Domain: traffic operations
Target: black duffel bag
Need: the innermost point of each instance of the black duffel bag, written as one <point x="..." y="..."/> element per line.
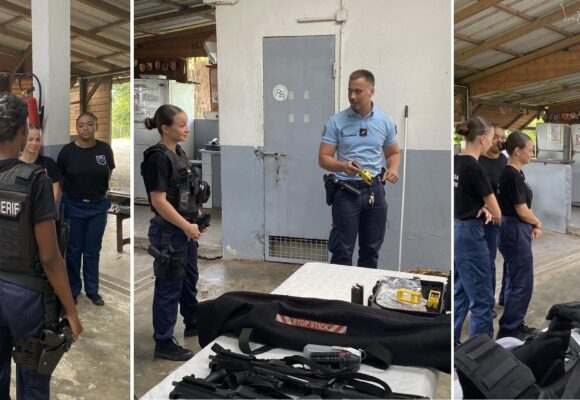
<point x="293" y="322"/>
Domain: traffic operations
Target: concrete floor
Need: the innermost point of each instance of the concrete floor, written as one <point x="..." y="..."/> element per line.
<point x="98" y="365"/>
<point x="217" y="276"/>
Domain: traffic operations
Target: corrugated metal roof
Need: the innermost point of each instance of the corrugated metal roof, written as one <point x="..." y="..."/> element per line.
<point x="503" y="18"/>
<point x="168" y="18"/>
<point x="487" y="59"/>
<point x="106" y="33"/>
<point x="533" y="40"/>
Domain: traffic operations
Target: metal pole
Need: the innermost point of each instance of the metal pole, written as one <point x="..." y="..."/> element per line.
<point x="404" y="182"/>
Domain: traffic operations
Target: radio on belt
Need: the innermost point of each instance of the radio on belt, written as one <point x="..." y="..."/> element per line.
<point x="345" y="358"/>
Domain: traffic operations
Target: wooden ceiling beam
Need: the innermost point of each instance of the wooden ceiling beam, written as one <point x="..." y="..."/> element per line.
<point x="548" y="69"/>
<point x="465" y="68"/>
<point x="15" y="34"/>
<point x="25" y="12"/>
<point x="515" y="33"/>
<point x="93" y="60"/>
<point x="108" y="8"/>
<point x="14" y="20"/>
<point x="546" y="50"/>
<point x="10" y="51"/>
<point x="473" y="9"/>
<point x="497" y="48"/>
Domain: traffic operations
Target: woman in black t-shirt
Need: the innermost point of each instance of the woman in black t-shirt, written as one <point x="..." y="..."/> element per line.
<point x="519" y="226"/>
<point x="173" y="232"/>
<point x="475" y="205"/>
<point x="31" y="155"/>
<point x="86" y="166"/>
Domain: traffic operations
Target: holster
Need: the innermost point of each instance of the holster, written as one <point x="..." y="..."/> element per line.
<point x="168" y="264"/>
<point x="44" y="353"/>
<point x="331" y="187"/>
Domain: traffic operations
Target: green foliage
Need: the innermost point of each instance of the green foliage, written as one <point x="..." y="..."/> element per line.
<point x="121" y="111"/>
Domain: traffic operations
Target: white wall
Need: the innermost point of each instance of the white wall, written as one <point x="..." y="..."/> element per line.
<point x="406" y="44"/>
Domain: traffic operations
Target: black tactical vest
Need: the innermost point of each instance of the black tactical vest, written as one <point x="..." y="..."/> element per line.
<point x="18" y="248"/>
<point x="185" y="184"/>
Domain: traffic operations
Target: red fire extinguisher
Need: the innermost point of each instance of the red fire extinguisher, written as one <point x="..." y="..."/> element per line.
<point x="33" y="118"/>
<point x="35" y="112"/>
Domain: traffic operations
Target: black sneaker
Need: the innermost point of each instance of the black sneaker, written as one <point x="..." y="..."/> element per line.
<point x="96" y="299"/>
<point x="171" y="350"/>
<point x="75" y="300"/>
<point x="190" y="330"/>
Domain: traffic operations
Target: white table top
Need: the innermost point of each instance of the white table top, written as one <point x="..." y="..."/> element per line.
<point x="325" y="281"/>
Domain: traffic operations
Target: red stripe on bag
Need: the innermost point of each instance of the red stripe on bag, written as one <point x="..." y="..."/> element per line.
<point x="313" y="325"/>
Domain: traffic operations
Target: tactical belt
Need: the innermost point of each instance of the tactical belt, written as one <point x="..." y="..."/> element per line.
<point x="359" y="184"/>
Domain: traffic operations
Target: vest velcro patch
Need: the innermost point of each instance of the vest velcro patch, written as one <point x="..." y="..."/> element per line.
<point x="313" y="325"/>
<point x="10" y="208"/>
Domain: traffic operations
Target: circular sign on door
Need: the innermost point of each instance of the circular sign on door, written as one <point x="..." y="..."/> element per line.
<point x="280" y="92"/>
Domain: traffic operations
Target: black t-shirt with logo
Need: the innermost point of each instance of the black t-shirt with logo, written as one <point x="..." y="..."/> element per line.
<point x="470" y="187"/>
<point x="86" y="171"/>
<point x="492" y="168"/>
<point x="42" y="198"/>
<point x="50" y="167"/>
<point x="513" y="190"/>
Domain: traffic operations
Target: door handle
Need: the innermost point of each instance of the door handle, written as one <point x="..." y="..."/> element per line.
<point x="259" y="153"/>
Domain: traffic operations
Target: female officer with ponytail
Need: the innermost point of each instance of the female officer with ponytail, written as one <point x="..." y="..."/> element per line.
<point x="475" y="205"/>
<point x="173" y="189"/>
<point x="519" y="226"/>
<point x="31" y="267"/>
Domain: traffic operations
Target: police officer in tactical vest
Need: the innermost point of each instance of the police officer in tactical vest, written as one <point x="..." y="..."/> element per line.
<point x="32" y="269"/>
<point x="176" y="194"/>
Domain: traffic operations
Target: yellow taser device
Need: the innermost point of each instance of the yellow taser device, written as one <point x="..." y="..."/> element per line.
<point x="365" y="174"/>
<point x="409" y="296"/>
<point x="434" y="298"/>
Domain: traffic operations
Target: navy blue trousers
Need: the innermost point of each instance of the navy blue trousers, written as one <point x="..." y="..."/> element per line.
<point x="354" y="216"/>
<point x="472" y="279"/>
<point x="21" y="315"/>
<point x="87" y="227"/>
<point x="516" y="248"/>
<point x="169" y="293"/>
<point x="491" y="232"/>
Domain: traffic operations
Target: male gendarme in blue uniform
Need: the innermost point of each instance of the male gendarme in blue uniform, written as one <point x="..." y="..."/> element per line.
<point x="361" y="133"/>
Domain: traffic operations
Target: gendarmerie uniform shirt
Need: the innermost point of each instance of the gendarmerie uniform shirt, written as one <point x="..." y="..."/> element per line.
<point x="513" y="190"/>
<point x="471" y="185"/>
<point x="86" y="170"/>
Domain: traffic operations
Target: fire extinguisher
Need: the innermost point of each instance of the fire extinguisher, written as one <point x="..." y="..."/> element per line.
<point x="33" y="118"/>
<point x="35" y="109"/>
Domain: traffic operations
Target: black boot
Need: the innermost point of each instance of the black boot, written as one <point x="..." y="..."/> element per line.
<point x="171" y="350"/>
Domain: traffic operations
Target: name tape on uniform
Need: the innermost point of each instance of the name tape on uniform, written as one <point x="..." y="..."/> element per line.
<point x="313" y="325"/>
<point x="10" y="208"/>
